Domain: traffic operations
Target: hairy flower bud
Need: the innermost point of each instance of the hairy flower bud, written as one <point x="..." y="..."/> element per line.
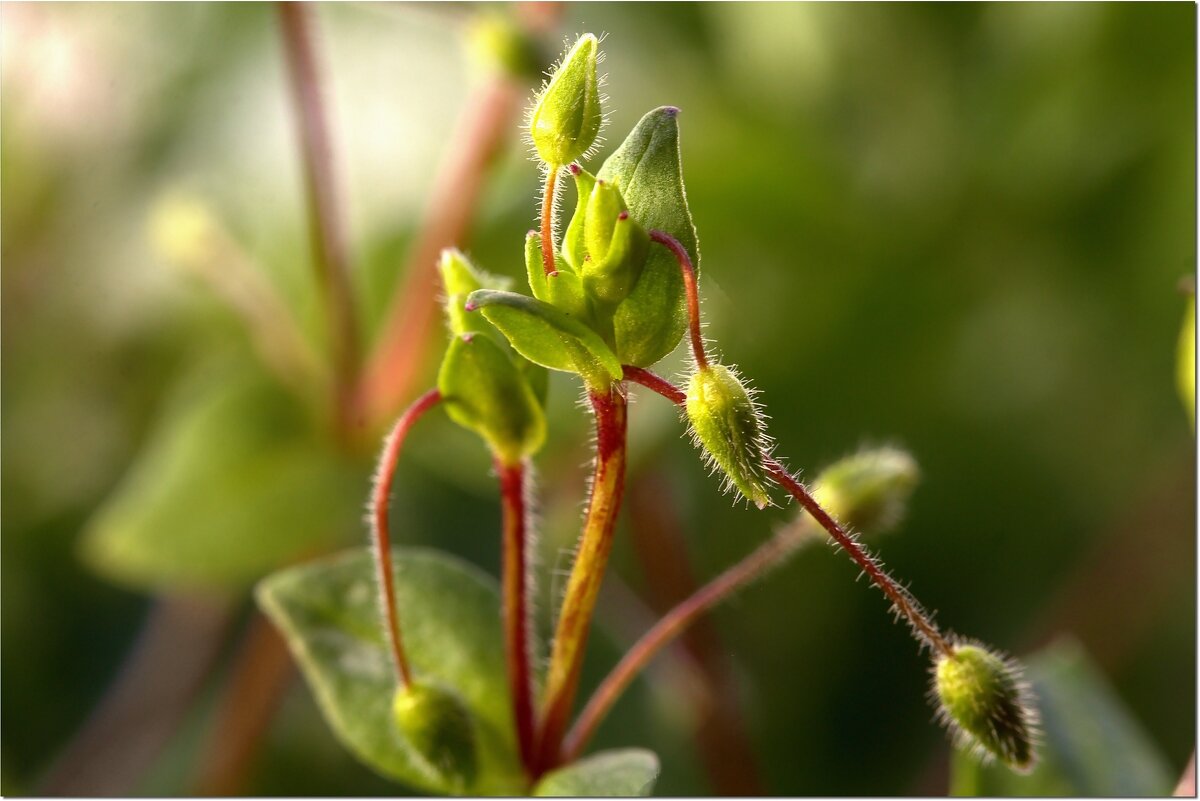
<point x="985" y="702"/>
<point x="439" y="727"/>
<point x="566" y="116"/>
<point x="728" y="425"/>
<point x="868" y="490"/>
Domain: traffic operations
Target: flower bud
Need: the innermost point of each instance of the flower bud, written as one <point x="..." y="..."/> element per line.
<point x="869" y="490"/>
<point x="566" y="116"/>
<point x="573" y="247"/>
<point x="728" y="425"/>
<point x="439" y="728"/>
<point x="460" y="278"/>
<point x="985" y="702"/>
<point x="616" y="247"/>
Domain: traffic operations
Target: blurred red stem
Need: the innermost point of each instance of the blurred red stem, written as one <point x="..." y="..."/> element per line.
<point x="516" y="604"/>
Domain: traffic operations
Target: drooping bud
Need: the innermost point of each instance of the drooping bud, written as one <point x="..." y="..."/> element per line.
<point x="460" y="278"/>
<point x="566" y="116"/>
<point x="868" y="491"/>
<point x="616" y="247"/>
<point x="984" y="701"/>
<point x="728" y="425"/>
<point x="439" y="728"/>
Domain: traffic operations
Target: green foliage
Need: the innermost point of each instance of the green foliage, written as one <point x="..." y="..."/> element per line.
<point x="483" y="390"/>
<point x="1091" y="744"/>
<point x="621" y="773"/>
<point x="235" y="481"/>
<point x="440" y="729"/>
<point x="329" y="614"/>
<point x="728" y="426"/>
<point x="547" y="336"/>
<point x="1185" y="369"/>
<point x="566" y="116"/>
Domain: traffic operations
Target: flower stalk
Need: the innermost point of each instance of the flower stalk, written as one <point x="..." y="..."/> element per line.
<point x="515" y="591"/>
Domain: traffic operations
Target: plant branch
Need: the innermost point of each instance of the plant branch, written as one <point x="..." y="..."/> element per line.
<point x="516" y="592"/>
<point x="330" y="255"/>
<point x="548" y="192"/>
<point x="693" y="296"/>
<point x="380" y="533"/>
<point x="574" y="621"/>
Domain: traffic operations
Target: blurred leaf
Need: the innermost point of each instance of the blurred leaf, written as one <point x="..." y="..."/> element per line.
<point x="1092" y="746"/>
<point x="235" y="482"/>
<point x="625" y="772"/>
<point x="449" y="613"/>
<point x="1185" y="368"/>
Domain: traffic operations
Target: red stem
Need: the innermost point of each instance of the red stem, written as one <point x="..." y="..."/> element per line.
<point x="516" y="604"/>
<point x="574" y="620"/>
<point x="905" y="604"/>
<point x="693" y="295"/>
<point x="548" y="219"/>
<point x="380" y="532"/>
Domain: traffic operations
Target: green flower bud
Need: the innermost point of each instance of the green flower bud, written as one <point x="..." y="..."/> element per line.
<point x="869" y="490"/>
<point x="986" y="704"/>
<point x="484" y="391"/>
<point x="727" y="424"/>
<point x="439" y="727"/>
<point x="616" y="247"/>
<point x="573" y="249"/>
<point x="460" y="278"/>
<point x="564" y="291"/>
<point x="497" y="41"/>
<point x="566" y="116"/>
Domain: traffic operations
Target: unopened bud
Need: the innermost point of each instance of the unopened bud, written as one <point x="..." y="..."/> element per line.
<point x="460" y="278"/>
<point x="439" y="728"/>
<point x="985" y="702"/>
<point x="869" y="490"/>
<point x="566" y="116"/>
<point x="616" y="246"/>
<point x="728" y="425"/>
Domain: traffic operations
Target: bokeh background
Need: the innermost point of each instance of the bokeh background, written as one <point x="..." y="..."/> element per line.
<point x="956" y="228"/>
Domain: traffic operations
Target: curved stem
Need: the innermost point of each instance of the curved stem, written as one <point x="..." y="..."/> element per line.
<point x="380" y="533"/>
<point x="575" y="617"/>
<point x="548" y="219"/>
<point x="516" y="604"/>
<point x="693" y="295"/>
<point x="922" y="625"/>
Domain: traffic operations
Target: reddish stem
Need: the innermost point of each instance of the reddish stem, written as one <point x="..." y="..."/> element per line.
<point x="922" y="625"/>
<point x="380" y="532"/>
<point x="574" y="620"/>
<point x="548" y="219"/>
<point x="516" y="604"/>
<point x="693" y="295"/>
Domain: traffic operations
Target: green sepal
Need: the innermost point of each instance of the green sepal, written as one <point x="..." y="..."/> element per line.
<point x="460" y="278"/>
<point x="566" y="116"/>
<point x="573" y="249"/>
<point x="484" y="391"/>
<point x="646" y="169"/>
<point x="728" y="426"/>
<point x="616" y="248"/>
<point x="439" y="727"/>
<point x="563" y="291"/>
<point x="548" y="336"/>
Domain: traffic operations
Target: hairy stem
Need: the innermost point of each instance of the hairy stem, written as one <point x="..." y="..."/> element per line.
<point x="516" y="604"/>
<point x="380" y="533"/>
<point x="548" y="219"/>
<point x="575" y="617"/>
<point x="693" y="296"/>
<point x="922" y="625"/>
<point x="330" y="256"/>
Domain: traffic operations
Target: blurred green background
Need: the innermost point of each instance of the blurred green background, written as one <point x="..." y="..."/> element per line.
<point x="958" y="228"/>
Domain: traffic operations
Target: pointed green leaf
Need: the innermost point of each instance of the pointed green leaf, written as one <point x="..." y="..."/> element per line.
<point x="485" y="392"/>
<point x="626" y="772"/>
<point x="329" y="614"/>
<point x="646" y="168"/>
<point x="548" y="336"/>
<point x="235" y="482"/>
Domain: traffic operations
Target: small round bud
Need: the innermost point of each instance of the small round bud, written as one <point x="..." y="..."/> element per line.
<point x="868" y="490"/>
<point x="439" y="728"/>
<point x="566" y="116"/>
<point x="728" y="425"/>
<point x="984" y="701"/>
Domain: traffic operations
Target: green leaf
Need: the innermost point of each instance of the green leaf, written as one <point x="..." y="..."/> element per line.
<point x="234" y="483"/>
<point x="1091" y="744"/>
<point x="619" y="773"/>
<point x="646" y="168"/>
<point x="449" y="615"/>
<point x="485" y="392"/>
<point x="548" y="336"/>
